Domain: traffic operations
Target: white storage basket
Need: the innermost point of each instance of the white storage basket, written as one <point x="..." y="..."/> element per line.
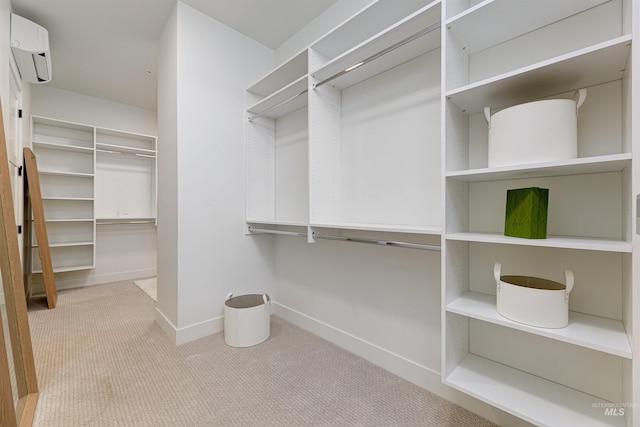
<point x="533" y="301"/>
<point x="247" y="319"/>
<point x="539" y="131"/>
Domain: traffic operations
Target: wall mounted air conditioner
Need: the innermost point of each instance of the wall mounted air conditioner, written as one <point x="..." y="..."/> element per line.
<point x="30" y="46"/>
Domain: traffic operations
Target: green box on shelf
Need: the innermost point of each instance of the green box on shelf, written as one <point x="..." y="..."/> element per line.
<point x="527" y="213"/>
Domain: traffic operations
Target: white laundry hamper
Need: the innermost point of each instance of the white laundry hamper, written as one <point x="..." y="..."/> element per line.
<point x="247" y="319"/>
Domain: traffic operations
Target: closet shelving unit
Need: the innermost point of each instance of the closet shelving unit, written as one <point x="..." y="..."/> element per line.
<point x="393" y="143"/>
<point x="277" y="147"/>
<point x="88" y="176"/>
<point x="497" y="53"/>
<point x="66" y="163"/>
<point x="375" y="122"/>
<point x="303" y="170"/>
<point x="125" y="160"/>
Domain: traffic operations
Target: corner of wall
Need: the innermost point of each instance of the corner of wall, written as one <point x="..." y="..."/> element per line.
<point x="329" y="19"/>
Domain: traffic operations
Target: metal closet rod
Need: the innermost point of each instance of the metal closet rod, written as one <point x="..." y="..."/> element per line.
<point x="351" y="68"/>
<point x="124" y="222"/>
<point x="378" y="242"/>
<point x="350" y="239"/>
<point x="267" y="230"/>
<point x="100" y="150"/>
<point x="278" y="105"/>
<point x="381" y="53"/>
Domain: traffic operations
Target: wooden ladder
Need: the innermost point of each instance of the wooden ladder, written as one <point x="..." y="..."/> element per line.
<point x="35" y="198"/>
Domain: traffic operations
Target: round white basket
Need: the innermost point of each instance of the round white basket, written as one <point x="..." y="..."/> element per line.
<point x="247" y="319"/>
<point x="535" y="132"/>
<point x="533" y="301"/>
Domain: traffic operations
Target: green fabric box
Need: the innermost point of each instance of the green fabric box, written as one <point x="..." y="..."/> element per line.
<point x="527" y="213"/>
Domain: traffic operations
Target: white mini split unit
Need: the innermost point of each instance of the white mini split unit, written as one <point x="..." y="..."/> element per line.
<point x="30" y="46"/>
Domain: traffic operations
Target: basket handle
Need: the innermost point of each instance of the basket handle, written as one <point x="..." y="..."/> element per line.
<point x="568" y="277"/>
<point x="497" y="267"/>
<point x="487" y="115"/>
<point x="267" y="302"/>
<point x="581" y="94"/>
<point x="229" y="295"/>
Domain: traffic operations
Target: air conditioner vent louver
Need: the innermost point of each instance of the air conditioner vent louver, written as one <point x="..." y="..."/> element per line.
<point x="30" y="47"/>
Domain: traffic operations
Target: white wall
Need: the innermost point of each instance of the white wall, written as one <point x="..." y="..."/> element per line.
<point x="329" y="19"/>
<point x="167" y="307"/>
<point x="122" y="251"/>
<point x="62" y="104"/>
<point x="214" y="257"/>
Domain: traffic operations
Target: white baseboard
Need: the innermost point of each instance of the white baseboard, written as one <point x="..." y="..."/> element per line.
<point x="166" y="325"/>
<point x="414" y="372"/>
<point x="101" y="279"/>
<point x="411" y="371"/>
<point x="189" y="333"/>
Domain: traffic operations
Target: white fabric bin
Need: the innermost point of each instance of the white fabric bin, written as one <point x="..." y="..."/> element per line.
<point x="533" y="301"/>
<point x="535" y="132"/>
<point x="247" y="319"/>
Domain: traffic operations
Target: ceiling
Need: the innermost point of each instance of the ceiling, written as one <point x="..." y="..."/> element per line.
<point x="90" y="40"/>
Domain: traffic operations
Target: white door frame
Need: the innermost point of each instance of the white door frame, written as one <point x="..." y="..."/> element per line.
<point x="14" y="148"/>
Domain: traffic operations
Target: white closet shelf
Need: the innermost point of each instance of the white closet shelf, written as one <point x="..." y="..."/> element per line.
<point x="88" y="199"/>
<point x="369" y="21"/>
<point x="420" y="20"/>
<point x="39" y="120"/>
<point x="594" y="332"/>
<point x="59" y="145"/>
<point x="470" y="29"/>
<point x="565" y="242"/>
<point x="126" y="221"/>
<point x="284" y="101"/>
<point x="70" y="220"/>
<point x="277" y="222"/>
<point x="409" y="229"/>
<point x="69" y="268"/>
<point x="601" y="63"/>
<point x="585" y="165"/>
<point x="62" y="173"/>
<point x="291" y="70"/>
<point x="124" y="149"/>
<point x="66" y="244"/>
<point x="534" y="399"/>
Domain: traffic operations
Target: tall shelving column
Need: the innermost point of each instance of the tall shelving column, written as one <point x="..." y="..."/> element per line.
<point x="66" y="162"/>
<point x="276" y="148"/>
<point x="374" y="126"/>
<point x="125" y="160"/>
<point x="573" y="375"/>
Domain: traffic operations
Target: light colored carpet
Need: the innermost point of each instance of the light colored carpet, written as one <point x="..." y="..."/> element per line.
<point x="148" y="286"/>
<point x="102" y="361"/>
